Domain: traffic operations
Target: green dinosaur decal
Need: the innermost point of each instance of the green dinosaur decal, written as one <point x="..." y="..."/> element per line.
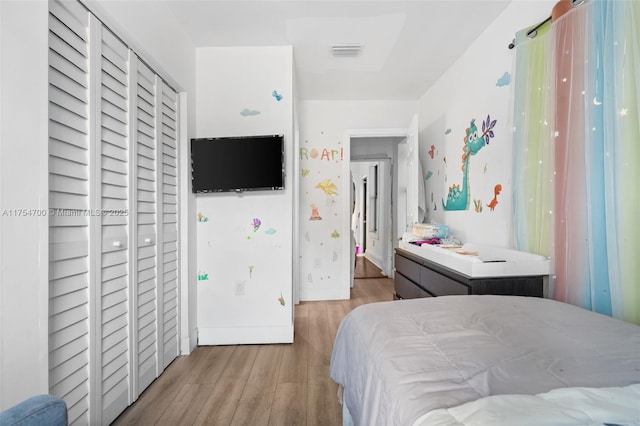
<point x="459" y="197"/>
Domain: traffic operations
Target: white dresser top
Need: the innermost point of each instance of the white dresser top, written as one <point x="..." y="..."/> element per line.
<point x="477" y="261"/>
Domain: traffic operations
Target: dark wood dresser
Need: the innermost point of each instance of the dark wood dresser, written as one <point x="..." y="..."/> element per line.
<point x="419" y="277"/>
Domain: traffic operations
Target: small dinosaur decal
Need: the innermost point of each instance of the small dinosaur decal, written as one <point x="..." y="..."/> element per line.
<point x="496" y="191"/>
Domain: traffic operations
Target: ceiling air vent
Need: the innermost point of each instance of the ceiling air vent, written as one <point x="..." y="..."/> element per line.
<point x="346" y="49"/>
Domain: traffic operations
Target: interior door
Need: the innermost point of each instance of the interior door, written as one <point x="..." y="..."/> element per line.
<point x="112" y="262"/>
<point x="69" y="228"/>
<point x="146" y="224"/>
<point x="168" y="238"/>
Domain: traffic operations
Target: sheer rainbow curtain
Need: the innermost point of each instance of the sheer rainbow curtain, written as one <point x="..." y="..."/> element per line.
<point x="577" y="153"/>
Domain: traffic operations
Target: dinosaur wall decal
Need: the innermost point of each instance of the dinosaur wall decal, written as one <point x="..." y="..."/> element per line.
<point x="496" y="191"/>
<point x="459" y="197"/>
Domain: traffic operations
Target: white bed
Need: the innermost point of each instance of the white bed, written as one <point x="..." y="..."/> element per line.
<point x="399" y="362"/>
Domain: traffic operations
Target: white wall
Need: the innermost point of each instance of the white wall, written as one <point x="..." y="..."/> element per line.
<point x="23" y="185"/>
<point x="230" y="252"/>
<point x="321" y="153"/>
<point x="469" y="90"/>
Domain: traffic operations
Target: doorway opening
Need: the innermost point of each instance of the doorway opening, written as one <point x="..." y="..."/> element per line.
<point x="395" y="152"/>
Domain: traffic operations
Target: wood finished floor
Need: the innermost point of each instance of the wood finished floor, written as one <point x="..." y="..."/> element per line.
<point x="280" y="384"/>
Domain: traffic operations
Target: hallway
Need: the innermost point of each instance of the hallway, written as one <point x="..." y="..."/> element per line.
<point x="365" y="269"/>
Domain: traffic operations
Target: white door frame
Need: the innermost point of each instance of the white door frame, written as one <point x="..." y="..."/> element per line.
<point x="348" y="134"/>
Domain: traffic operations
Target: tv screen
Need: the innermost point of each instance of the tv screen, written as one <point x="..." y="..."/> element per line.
<point x="246" y="163"/>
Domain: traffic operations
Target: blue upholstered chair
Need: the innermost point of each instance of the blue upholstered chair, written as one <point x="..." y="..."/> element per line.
<point x="40" y="410"/>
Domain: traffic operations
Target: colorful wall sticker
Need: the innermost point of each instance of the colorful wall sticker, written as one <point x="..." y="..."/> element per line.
<point x="335" y="234"/>
<point x="304" y="172"/>
<point x="270" y="231"/>
<point x="446" y="132"/>
<point x="504" y="80"/>
<point x="256" y="224"/>
<point x="315" y="215"/>
<point x="459" y="197"/>
<point x="202" y="218"/>
<point x="202" y="276"/>
<point x="325" y="155"/>
<point x="281" y="299"/>
<point x="477" y="205"/>
<point x="432" y="151"/>
<point x="251" y="267"/>
<point x="429" y="174"/>
<point x="276" y="95"/>
<point x="487" y="129"/>
<point x="328" y="187"/>
<point x="249" y="112"/>
<point x="496" y="191"/>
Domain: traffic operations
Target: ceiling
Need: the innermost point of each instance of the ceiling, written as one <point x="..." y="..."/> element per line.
<point x="406" y="45"/>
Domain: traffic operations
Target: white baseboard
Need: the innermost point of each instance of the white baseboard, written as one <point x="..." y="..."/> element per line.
<point x="308" y="295"/>
<point x="244" y="335"/>
<point x="189" y="343"/>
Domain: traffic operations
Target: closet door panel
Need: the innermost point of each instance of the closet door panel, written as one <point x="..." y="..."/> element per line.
<point x="69" y="162"/>
<point x="146" y="227"/>
<point x="114" y="203"/>
<point x="169" y="236"/>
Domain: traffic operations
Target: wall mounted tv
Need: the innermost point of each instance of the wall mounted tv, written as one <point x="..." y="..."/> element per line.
<point x="236" y="164"/>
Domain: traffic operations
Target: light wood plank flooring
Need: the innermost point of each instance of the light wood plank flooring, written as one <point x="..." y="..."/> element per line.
<point x="282" y="384"/>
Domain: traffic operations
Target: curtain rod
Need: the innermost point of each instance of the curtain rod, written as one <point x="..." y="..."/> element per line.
<point x="534" y="31"/>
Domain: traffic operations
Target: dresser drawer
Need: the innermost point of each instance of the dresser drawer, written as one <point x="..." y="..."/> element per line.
<point x="408" y="268"/>
<point x="440" y="285"/>
<point x="404" y="288"/>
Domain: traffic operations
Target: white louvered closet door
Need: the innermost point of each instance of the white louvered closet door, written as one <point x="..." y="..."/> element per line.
<point x="113" y="311"/>
<point x="69" y="226"/>
<point x="111" y="216"/>
<point x="168" y="238"/>
<point x="145" y="259"/>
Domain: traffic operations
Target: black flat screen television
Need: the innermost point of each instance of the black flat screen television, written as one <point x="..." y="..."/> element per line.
<point x="237" y="164"/>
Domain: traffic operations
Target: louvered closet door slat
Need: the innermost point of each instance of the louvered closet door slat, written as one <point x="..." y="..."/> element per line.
<point x="146" y="81"/>
<point x="75" y="18"/>
<point x="169" y="280"/>
<point x="146" y="108"/>
<point x="115" y="96"/>
<point x="60" y="114"/>
<point x="67" y="49"/>
<point x="146" y="227"/>
<point x="114" y="234"/>
<point x="68" y="190"/>
<point x="146" y="152"/>
<point x="61" y="97"/>
<point x="60" y="147"/>
<point x="114" y="106"/>
<point x="67" y="84"/>
<point x="113" y="147"/>
<point x="59" y="64"/>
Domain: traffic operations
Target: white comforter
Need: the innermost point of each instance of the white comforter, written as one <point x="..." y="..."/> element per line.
<point x="399" y="360"/>
<point x="559" y="407"/>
